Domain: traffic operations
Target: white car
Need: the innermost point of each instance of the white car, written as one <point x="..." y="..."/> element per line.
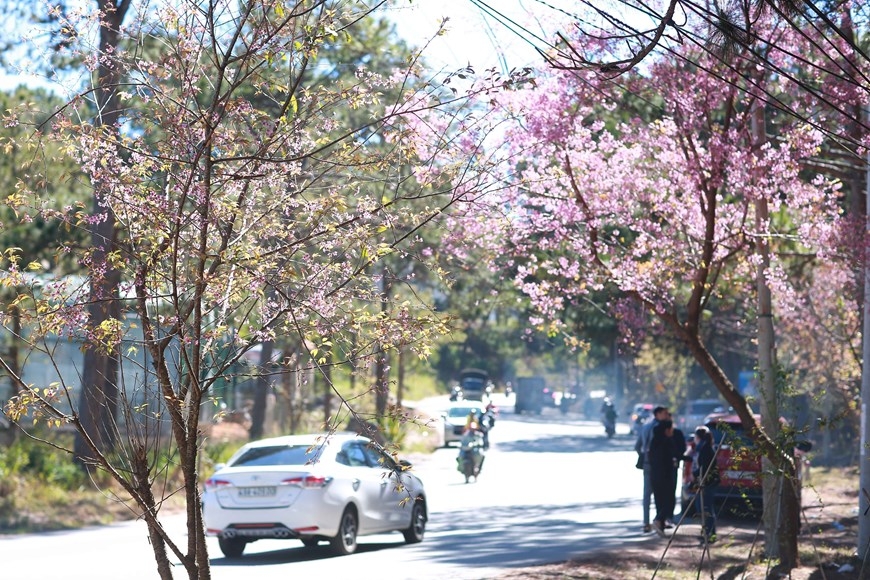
<point x="456" y="417"/>
<point x="312" y="488"/>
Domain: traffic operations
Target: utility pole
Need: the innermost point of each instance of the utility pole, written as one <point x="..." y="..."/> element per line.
<point x="864" y="481"/>
<point x="766" y="350"/>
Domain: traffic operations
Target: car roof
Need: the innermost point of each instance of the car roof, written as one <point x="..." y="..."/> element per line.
<point x="704" y="401"/>
<point x="729" y="418"/>
<point x="466" y="404"/>
<point x="307" y="439"/>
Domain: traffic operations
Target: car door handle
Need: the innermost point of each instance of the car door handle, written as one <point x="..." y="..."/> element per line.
<point x="355" y="483"/>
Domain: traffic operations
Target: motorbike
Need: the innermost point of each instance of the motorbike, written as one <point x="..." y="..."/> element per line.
<point x="471" y="455"/>
<point x="609" y="426"/>
<point x="608" y="417"/>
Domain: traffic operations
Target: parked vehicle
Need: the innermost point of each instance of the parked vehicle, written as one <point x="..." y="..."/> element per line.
<point x="738" y="462"/>
<point x="472" y="451"/>
<point x="312" y="488"/>
<point x="549" y="397"/>
<point x="568" y="400"/>
<point x="640" y="414"/>
<point x="696" y="411"/>
<point x="474" y="384"/>
<point x="529" y="395"/>
<point x="455" y="419"/>
<point x="593" y="402"/>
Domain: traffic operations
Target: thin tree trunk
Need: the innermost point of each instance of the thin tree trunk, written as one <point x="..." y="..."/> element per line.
<point x="98" y="399"/>
<point x="400" y="378"/>
<point x="142" y="481"/>
<point x="780" y="507"/>
<point x="326" y="371"/>
<point x="382" y="383"/>
<point x="261" y="392"/>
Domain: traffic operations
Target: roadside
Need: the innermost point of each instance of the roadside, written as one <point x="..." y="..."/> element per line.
<point x="826" y="544"/>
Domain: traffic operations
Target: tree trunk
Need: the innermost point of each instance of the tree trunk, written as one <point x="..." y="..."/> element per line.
<point x="261" y="392"/>
<point x="859" y="182"/>
<point x="142" y="482"/>
<point x="780" y="538"/>
<point x="382" y="380"/>
<point x="98" y="399"/>
<point x="326" y="372"/>
<point x="382" y="383"/>
<point x="400" y="378"/>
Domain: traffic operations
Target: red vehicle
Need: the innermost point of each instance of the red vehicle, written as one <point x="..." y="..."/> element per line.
<point x="738" y="462"/>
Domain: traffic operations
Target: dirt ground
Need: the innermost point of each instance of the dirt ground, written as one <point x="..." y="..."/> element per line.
<point x="827" y="545"/>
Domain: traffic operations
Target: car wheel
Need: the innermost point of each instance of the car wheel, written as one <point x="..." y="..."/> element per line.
<point x="344" y="542"/>
<point x="232" y="547"/>
<point x="414" y="534"/>
<point x="310" y="542"/>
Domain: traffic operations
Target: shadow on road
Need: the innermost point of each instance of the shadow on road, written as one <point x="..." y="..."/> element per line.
<point x="504" y="537"/>
<point x="299" y="553"/>
<point x="569" y="444"/>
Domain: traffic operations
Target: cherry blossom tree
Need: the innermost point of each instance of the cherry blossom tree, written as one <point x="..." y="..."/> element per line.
<point x="662" y="210"/>
<point x="250" y="205"/>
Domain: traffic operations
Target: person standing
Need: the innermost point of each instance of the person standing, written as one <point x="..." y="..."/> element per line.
<point x="705" y="474"/>
<point x="644" y="437"/>
<point x="679" y="445"/>
<point x="661" y="460"/>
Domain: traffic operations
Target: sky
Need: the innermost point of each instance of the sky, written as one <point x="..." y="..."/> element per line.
<point x="473" y="37"/>
<point x="479" y="37"/>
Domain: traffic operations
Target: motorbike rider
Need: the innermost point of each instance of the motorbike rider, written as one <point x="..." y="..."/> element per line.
<point x="471" y="449"/>
<point x="608" y="415"/>
<point x="486" y="421"/>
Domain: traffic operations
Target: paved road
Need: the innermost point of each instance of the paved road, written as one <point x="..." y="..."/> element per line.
<point x="552" y="487"/>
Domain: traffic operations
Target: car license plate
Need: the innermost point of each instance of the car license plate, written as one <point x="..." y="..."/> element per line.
<point x="262" y="491"/>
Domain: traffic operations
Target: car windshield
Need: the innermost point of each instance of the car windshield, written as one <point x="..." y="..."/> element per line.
<point x="460" y="411"/>
<point x="733" y="432"/>
<point x="473" y="383"/>
<point x="278" y="455"/>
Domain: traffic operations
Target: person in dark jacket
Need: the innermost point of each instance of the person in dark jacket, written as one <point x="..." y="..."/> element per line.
<point x="661" y="459"/>
<point x="706" y="476"/>
<point x="644" y="437"/>
<point x="679" y="444"/>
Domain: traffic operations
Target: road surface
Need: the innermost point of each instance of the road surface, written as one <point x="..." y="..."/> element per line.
<point x="552" y="487"/>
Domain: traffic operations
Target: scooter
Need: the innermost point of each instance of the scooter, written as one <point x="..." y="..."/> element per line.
<point x="471" y="455"/>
